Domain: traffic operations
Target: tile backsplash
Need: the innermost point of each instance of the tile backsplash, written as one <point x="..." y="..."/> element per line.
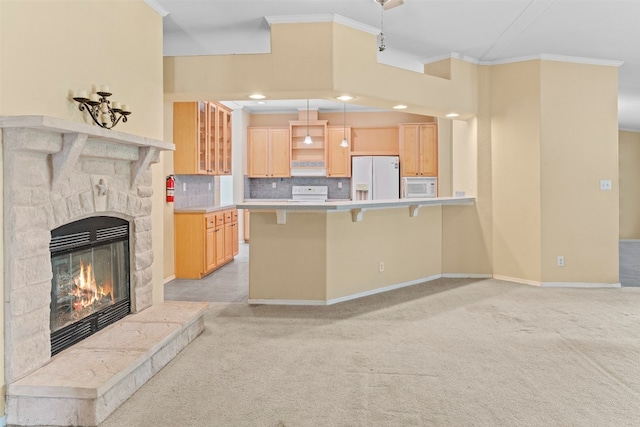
<point x="194" y="191"/>
<point x="262" y="188"/>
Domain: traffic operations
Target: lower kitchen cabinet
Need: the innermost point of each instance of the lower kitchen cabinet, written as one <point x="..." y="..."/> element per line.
<point x="204" y="242"/>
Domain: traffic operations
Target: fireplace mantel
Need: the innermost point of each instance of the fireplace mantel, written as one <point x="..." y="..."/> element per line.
<point x="76" y="136"/>
<point x="55" y="124"/>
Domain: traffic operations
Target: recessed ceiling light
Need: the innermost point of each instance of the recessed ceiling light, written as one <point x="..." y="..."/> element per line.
<point x="257" y="96"/>
<point x="452" y="115"/>
<point x="399" y="107"/>
<point x="344" y="97"/>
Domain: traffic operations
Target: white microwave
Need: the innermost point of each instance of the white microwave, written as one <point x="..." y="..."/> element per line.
<point x="419" y="187"/>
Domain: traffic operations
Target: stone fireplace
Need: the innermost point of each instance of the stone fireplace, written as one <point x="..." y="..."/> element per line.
<point x="58" y="174"/>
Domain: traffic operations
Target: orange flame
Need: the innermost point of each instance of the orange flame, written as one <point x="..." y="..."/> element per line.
<point x="86" y="290"/>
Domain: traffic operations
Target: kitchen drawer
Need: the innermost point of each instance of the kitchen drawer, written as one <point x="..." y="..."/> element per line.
<point x="220" y="218"/>
<point x="235" y="215"/>
<point x="210" y="221"/>
<point x="228" y="217"/>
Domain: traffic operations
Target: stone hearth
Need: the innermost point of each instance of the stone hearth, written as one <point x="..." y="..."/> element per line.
<point x="56" y="172"/>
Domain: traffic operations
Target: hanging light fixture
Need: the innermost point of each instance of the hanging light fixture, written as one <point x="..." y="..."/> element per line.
<point x="307" y="139"/>
<point x="344" y="142"/>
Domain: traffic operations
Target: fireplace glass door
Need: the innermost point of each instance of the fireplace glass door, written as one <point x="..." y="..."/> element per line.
<point x="90" y="283"/>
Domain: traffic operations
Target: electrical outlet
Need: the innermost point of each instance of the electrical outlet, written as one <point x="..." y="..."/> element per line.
<point x="560" y="261"/>
<point x="381" y="266"/>
<point x="273" y="185"/>
<point x="184" y="186"/>
<point x="605" y="184"/>
<point x="340" y="184"/>
<point x="209" y="186"/>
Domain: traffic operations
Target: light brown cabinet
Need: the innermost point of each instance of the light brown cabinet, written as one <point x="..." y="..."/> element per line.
<point x="338" y="157"/>
<point x="419" y="149"/>
<point x="268" y="152"/>
<point x="202" y="135"/>
<point x="203" y="242"/>
<point x="312" y="155"/>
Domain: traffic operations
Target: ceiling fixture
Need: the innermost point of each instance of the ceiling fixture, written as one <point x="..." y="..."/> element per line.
<point x="344" y="142"/>
<point x="307" y="139"/>
<point x="344" y="98"/>
<point x="257" y="96"/>
<point x="399" y="107"/>
<point x="385" y="5"/>
<point x="451" y="115"/>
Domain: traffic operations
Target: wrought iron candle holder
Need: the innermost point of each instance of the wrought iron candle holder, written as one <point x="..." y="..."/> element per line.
<point x="105" y="113"/>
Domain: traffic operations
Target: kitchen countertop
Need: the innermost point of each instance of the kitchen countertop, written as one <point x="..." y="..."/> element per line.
<point x="357" y="207"/>
<point x="203" y="209"/>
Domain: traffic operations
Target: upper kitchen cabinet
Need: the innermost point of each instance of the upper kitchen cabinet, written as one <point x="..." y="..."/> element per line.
<point x="311" y="155"/>
<point x="338" y="157"/>
<point x="419" y="149"/>
<point x="269" y="152"/>
<point x="202" y="135"/>
<point x="223" y="140"/>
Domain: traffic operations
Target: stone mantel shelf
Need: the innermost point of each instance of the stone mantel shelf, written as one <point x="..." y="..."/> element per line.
<point x="357" y="208"/>
<point x="63" y="126"/>
<point x="75" y="137"/>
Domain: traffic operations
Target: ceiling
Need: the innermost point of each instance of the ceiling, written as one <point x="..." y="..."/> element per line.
<point x="421" y="30"/>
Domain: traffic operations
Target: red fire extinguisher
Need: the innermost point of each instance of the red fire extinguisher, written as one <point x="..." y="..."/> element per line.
<point x="171" y="188"/>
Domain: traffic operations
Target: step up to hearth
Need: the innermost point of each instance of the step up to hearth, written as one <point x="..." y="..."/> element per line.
<point x="82" y="385"/>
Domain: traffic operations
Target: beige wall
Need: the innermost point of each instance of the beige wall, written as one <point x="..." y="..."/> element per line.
<point x="515" y="131"/>
<point x="328" y="256"/>
<point x="629" y="174"/>
<point x="579" y="221"/>
<point x="465" y="156"/>
<point x="167" y="163"/>
<point x="342" y="59"/>
<point x="46" y="55"/>
<point x="467" y="231"/>
<point x="355" y="249"/>
<point x="298" y="247"/>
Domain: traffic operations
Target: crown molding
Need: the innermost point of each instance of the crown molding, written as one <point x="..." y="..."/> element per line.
<point x="541" y="57"/>
<point x="327" y="17"/>
<point x="153" y="4"/>
<point x="557" y="58"/>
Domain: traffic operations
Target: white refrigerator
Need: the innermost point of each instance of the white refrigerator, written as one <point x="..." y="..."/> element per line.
<point x="375" y="177"/>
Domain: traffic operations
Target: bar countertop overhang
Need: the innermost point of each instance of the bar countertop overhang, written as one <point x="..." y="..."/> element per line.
<point x="357" y="207"/>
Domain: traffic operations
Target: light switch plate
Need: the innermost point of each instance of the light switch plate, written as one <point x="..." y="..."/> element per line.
<point x="605" y="184"/>
<point x="273" y="185"/>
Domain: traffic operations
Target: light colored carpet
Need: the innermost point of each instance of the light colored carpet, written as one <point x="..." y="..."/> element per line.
<point x="452" y="352"/>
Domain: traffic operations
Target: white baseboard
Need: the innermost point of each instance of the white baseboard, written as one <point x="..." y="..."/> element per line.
<point x="466" y="276"/>
<point x="557" y="284"/>
<point x="286" y="301"/>
<point x="579" y="285"/>
<point x="428" y="279"/>
<point x="166" y="280"/>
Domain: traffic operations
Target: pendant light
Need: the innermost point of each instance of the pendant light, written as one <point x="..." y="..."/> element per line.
<point x="344" y="142"/>
<point x="307" y="139"/>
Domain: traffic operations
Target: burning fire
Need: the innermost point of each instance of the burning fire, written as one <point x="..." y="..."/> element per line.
<point x="86" y="291"/>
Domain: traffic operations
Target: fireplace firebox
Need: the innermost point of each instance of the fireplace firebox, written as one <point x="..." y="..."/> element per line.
<point x="90" y="283"/>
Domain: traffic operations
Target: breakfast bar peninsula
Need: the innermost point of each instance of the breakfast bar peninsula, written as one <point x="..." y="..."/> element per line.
<point x="320" y="253"/>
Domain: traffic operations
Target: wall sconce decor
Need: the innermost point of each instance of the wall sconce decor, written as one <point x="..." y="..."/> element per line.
<point x="105" y="113"/>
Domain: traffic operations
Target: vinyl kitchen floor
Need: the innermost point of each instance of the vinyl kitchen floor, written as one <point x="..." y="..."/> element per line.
<point x="227" y="284"/>
<point x="231" y="282"/>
